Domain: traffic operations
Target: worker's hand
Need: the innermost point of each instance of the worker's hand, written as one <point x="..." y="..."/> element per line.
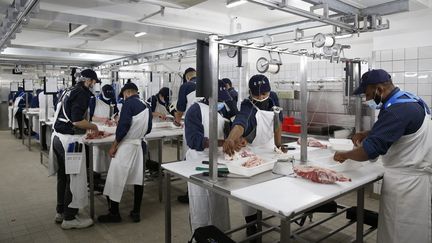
<point x="340" y="157"/>
<point x="113" y="150"/>
<point x="94" y="128"/>
<point x="240" y="143"/>
<point x="358" y="138"/>
<point x="177" y="123"/>
<point x="162" y="116"/>
<point x="229" y="146"/>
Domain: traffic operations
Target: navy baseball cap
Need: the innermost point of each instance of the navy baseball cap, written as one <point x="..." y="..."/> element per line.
<point x="223" y="94"/>
<point x="127" y="86"/>
<point x="259" y="84"/>
<point x="88" y="73"/>
<point x="108" y="91"/>
<point x="227" y="81"/>
<point x="374" y="76"/>
<point x="166" y="93"/>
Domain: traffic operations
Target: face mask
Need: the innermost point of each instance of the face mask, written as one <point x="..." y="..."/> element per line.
<point x="220" y="106"/>
<point x="262" y="104"/>
<point x="375" y="103"/>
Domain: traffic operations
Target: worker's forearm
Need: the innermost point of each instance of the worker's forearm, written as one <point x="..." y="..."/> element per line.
<point x="357" y="154"/>
<point x="84" y="124"/>
<point x="278" y="137"/>
<point x="236" y="132"/>
<point x="178" y="116"/>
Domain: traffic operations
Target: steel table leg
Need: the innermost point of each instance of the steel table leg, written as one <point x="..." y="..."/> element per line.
<point x="178" y="148"/>
<point x="285" y="231"/>
<point x="30" y="131"/>
<point x="167" y="207"/>
<point x="160" y="169"/>
<point x="259" y="224"/>
<point x="360" y="214"/>
<point x="91" y="181"/>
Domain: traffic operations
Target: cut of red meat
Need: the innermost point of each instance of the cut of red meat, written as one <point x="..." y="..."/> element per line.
<point x="98" y="135"/>
<point x="312" y="142"/>
<point x="318" y="174"/>
<point x="253" y="161"/>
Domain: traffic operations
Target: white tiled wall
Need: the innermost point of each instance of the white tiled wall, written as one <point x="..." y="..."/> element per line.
<point x="411" y="69"/>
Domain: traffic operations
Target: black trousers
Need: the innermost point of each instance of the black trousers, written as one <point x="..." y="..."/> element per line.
<point x="64" y="195"/>
<point x="19" y="116"/>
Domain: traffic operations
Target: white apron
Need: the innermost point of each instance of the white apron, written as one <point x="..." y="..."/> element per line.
<point x="153" y="145"/>
<point x="78" y="182"/>
<point x="405" y="205"/>
<point x="264" y="138"/>
<point x="206" y="207"/>
<point x="101" y="156"/>
<point x="102" y="111"/>
<point x="42" y="99"/>
<point x="127" y="167"/>
<point x="191" y="99"/>
<point x="15" y="110"/>
<point x="10" y="116"/>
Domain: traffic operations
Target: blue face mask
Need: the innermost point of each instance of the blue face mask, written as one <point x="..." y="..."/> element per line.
<point x="220" y="106"/>
<point x="375" y="103"/>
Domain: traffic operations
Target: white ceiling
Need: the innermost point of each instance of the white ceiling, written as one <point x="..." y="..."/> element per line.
<point x="178" y="26"/>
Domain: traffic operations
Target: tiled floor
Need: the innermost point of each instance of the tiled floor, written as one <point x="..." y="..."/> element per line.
<point x="28" y="198"/>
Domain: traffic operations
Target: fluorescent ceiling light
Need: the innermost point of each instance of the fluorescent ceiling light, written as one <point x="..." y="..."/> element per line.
<point x="344" y="36"/>
<point x="139" y="34"/>
<point x="410" y="74"/>
<point x="234" y="3"/>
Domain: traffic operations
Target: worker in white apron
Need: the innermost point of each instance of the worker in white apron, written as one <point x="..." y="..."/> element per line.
<point x="403" y="136"/>
<point x="186" y="98"/>
<point x="205" y="207"/>
<point x="67" y="153"/>
<point x="102" y="108"/>
<point x="159" y="104"/>
<point x="127" y="152"/>
<point x="255" y="124"/>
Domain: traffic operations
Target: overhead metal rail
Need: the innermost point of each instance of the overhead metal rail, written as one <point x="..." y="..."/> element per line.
<point x="348" y="19"/>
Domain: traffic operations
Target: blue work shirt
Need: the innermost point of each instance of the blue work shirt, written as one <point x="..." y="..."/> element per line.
<point x="184" y="90"/>
<point x="35" y="100"/>
<point x="132" y="106"/>
<point x="246" y="116"/>
<point x="92" y="104"/>
<point x="194" y="129"/>
<point x="393" y="123"/>
<point x="22" y="103"/>
<point x="233" y="93"/>
<point x="76" y="106"/>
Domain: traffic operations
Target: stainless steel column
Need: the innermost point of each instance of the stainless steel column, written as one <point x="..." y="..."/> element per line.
<point x="356" y="69"/>
<point x="303" y="105"/>
<point x="214" y="73"/>
<point x="167" y="207"/>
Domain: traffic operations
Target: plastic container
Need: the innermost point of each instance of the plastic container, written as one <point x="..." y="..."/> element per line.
<point x="340" y="144"/>
<point x="294" y="128"/>
<point x="288" y="120"/>
<point x="285" y="128"/>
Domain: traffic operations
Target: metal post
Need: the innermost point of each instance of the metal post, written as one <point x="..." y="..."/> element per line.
<point x="30" y="118"/>
<point x="360" y="214"/>
<point x="303" y="105"/>
<point x="214" y="73"/>
<point x="160" y="169"/>
<point x="167" y="207"/>
<point x="91" y="180"/>
<point x="240" y="86"/>
<point x="356" y="69"/>
<point x="285" y="235"/>
<point x="259" y="224"/>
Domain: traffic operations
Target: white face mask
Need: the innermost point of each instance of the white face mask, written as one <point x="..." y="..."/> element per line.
<point x="258" y="100"/>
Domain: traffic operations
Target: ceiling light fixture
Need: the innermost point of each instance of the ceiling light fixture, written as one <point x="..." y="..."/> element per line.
<point x="234" y="3"/>
<point x="139" y="34"/>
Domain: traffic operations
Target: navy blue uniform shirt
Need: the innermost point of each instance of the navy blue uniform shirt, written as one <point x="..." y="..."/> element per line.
<point x="22" y="103"/>
<point x="194" y="129"/>
<point x="184" y="90"/>
<point x="233" y="93"/>
<point x="132" y="106"/>
<point x="246" y="116"/>
<point x="393" y="123"/>
<point x="76" y="106"/>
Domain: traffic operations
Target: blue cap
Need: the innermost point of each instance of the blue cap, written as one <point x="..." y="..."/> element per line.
<point x="259" y="84"/>
<point x="108" y="91"/>
<point x="374" y="76"/>
<point x="223" y="94"/>
<point x="128" y="86"/>
<point x="227" y="81"/>
<point x="166" y="93"/>
<point x="88" y="73"/>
